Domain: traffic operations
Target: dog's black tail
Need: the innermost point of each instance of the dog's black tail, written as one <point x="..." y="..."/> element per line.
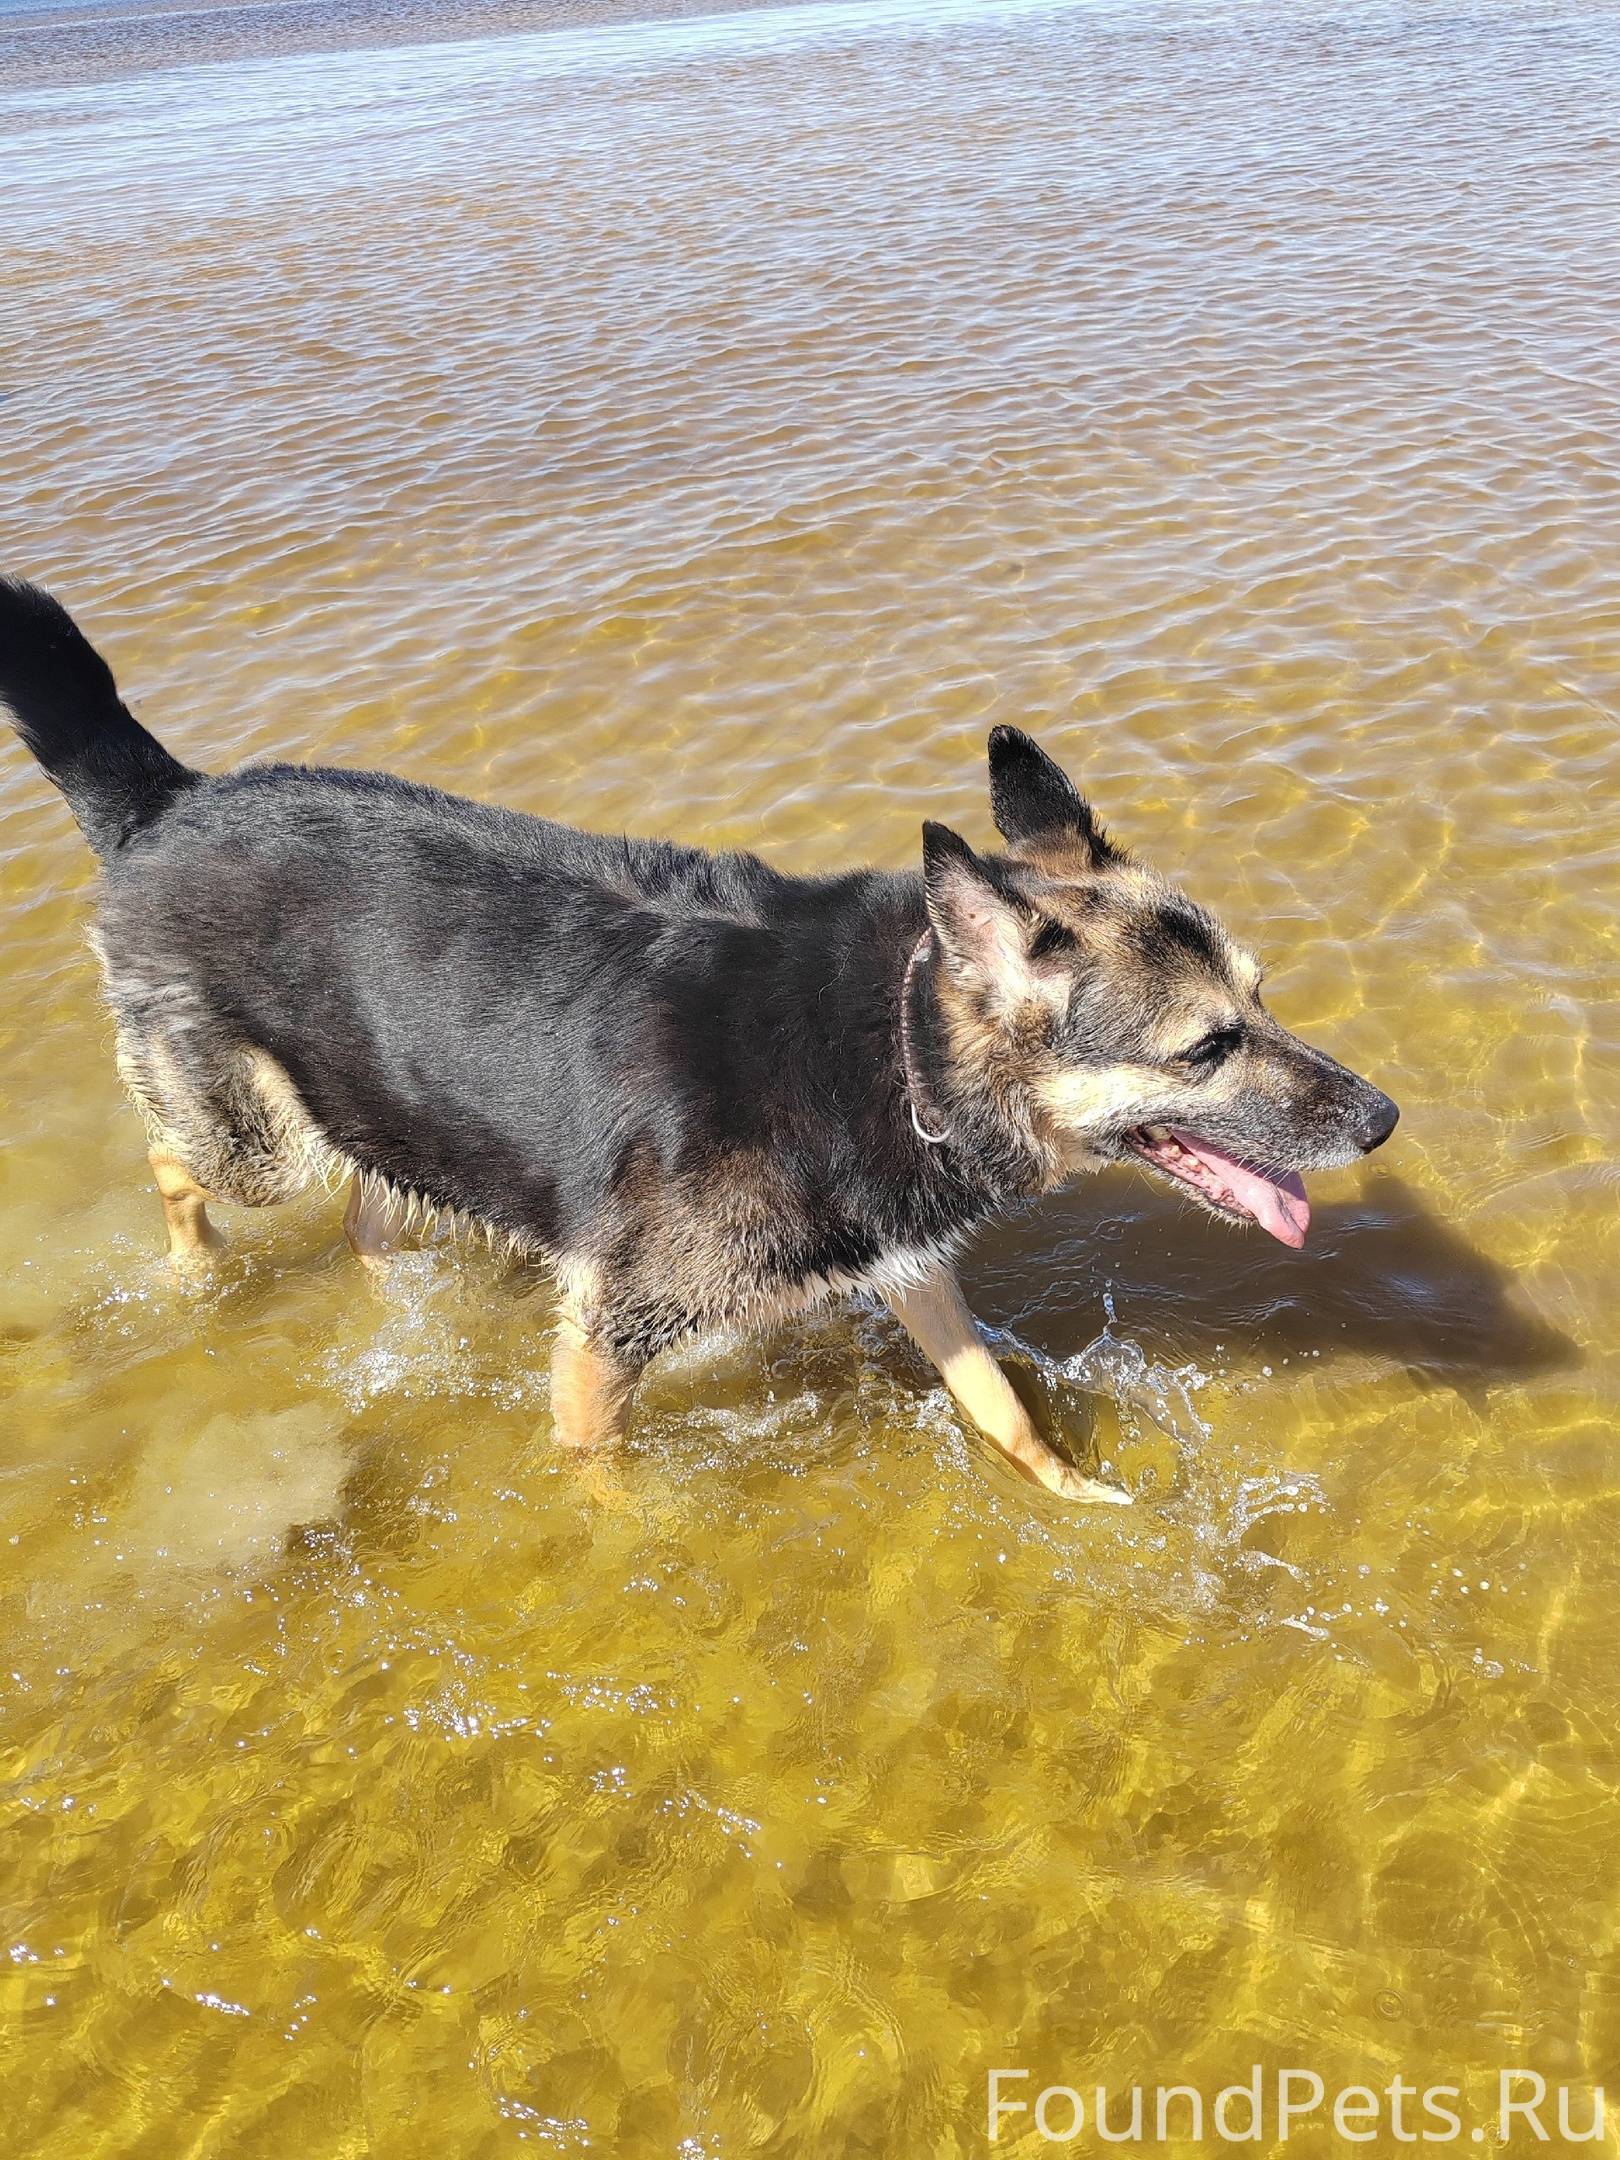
<point x="61" y="695"/>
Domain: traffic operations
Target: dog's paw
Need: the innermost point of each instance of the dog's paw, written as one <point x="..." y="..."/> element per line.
<point x="196" y="1262"/>
<point x="1071" y="1484"/>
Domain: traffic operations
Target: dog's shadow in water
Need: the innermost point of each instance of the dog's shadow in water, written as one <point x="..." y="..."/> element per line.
<point x="1381" y="1278"/>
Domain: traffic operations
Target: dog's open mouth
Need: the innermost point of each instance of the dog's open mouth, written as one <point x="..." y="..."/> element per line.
<point x="1275" y="1199"/>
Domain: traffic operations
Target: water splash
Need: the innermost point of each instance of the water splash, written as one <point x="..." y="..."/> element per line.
<point x="1116" y="1366"/>
<point x="424" y="1335"/>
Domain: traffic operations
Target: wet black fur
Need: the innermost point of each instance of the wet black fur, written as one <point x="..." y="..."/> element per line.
<point x="66" y="708"/>
<point x="516" y="1020"/>
<point x="620" y="1052"/>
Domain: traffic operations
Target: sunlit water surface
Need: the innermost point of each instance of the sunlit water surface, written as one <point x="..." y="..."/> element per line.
<point x="713" y="428"/>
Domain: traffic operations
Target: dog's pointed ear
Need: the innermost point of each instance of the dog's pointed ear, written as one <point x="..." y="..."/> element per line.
<point x="1036" y="804"/>
<point x="981" y="926"/>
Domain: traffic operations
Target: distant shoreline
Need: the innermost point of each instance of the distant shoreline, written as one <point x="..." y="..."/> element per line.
<point x="46" y="43"/>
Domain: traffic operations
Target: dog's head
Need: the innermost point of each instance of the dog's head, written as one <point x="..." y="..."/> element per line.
<point x="1125" y="1018"/>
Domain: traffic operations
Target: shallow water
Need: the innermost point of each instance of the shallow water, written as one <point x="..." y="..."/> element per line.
<point x="713" y="428"/>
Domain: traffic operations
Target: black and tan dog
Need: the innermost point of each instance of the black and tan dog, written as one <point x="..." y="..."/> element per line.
<point x="705" y="1092"/>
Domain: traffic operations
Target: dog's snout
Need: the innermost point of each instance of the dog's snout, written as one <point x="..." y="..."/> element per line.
<point x="1378" y="1119"/>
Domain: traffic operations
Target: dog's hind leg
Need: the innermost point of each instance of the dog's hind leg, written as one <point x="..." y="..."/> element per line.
<point x="935" y="1315"/>
<point x="191" y="1235"/>
<point x="221" y="1123"/>
<point x="181" y="1133"/>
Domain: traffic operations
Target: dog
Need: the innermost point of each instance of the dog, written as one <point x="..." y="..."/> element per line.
<point x="705" y="1093"/>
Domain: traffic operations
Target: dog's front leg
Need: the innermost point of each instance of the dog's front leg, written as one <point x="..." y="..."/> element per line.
<point x="935" y="1314"/>
<point x="591" y="1386"/>
<point x="371" y="1224"/>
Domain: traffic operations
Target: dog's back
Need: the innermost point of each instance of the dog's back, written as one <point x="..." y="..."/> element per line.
<point x="706" y="1091"/>
<point x="474" y="1006"/>
<point x="641" y="1059"/>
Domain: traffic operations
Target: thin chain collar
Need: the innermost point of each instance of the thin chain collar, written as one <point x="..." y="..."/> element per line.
<point x="908" y="1059"/>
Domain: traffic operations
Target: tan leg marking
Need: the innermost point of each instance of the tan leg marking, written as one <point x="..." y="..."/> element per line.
<point x="936" y="1316"/>
<point x="191" y="1235"/>
<point x="370" y="1225"/>
<point x="590" y="1389"/>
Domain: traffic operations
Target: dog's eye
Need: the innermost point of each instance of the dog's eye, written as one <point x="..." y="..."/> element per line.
<point x="1212" y="1049"/>
<point x="1049" y="940"/>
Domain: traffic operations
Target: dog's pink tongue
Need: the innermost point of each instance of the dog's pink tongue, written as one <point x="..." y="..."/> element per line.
<point x="1278" y="1204"/>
